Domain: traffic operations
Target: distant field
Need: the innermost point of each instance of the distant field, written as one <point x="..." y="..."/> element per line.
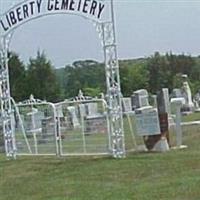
<point x="141" y="176"/>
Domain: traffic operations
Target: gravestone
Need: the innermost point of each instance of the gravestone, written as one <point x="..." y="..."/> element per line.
<point x="73" y="116"/>
<point x="176" y="93"/>
<point x="95" y="121"/>
<point x="167" y="106"/>
<point x="188" y="107"/>
<point x="82" y="110"/>
<point x="166" y="101"/>
<point x="164" y="112"/>
<point x="92" y="109"/>
<point x="139" y="99"/>
<point x="126" y="105"/>
<point x="147" y="122"/>
<point x="178" y="102"/>
<point x="197" y="101"/>
<point x="154" y="101"/>
<point x="33" y="120"/>
<point x="184" y="92"/>
<point x="59" y="112"/>
<point x="160" y="141"/>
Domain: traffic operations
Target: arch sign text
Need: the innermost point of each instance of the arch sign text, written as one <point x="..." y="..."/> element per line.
<point x="27" y="10"/>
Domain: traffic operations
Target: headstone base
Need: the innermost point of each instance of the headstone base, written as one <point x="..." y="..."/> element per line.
<point x="161" y="145"/>
<point x="180" y="147"/>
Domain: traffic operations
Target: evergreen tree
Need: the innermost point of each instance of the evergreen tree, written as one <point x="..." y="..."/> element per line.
<point x="17" y="76"/>
<point x="41" y="79"/>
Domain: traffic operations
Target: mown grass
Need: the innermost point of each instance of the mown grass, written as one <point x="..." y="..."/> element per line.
<point x="150" y="176"/>
<point x="174" y="175"/>
<point x="191" y="117"/>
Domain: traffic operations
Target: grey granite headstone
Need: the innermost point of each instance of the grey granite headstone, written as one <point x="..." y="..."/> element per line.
<point x="147" y="122"/>
<point x="163" y="101"/>
<point x="176" y="93"/>
<point x="92" y="109"/>
<point x="127" y="107"/>
<point x="139" y="99"/>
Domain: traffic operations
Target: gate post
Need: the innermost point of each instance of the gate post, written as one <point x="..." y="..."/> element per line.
<point x="116" y="131"/>
<point x="5" y="100"/>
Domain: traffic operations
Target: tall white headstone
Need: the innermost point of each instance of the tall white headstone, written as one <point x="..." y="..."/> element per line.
<point x="74" y="118"/>
<point x="187" y="94"/>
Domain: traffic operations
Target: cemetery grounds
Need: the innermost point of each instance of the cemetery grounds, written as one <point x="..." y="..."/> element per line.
<point x="172" y="175"/>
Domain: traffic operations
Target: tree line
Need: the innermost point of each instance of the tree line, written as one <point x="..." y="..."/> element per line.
<point x="40" y="78"/>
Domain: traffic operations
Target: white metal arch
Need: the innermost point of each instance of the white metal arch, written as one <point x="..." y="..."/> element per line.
<point x="105" y="28"/>
<point x="28" y="10"/>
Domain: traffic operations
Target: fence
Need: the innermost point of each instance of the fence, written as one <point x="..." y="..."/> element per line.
<point x="78" y="127"/>
<point x="67" y="128"/>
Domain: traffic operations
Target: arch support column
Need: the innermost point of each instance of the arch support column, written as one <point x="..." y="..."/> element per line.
<point x="117" y="145"/>
<point x="5" y="100"/>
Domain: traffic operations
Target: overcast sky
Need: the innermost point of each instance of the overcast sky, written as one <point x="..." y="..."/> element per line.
<point x="143" y="27"/>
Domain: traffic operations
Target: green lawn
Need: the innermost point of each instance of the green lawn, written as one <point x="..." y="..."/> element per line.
<point x="174" y="175"/>
<point x="191" y="117"/>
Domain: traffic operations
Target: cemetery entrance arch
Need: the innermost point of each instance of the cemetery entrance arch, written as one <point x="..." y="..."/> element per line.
<point x="101" y="13"/>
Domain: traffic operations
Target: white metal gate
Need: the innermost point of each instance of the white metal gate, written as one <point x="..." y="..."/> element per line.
<point x="35" y="126"/>
<point x="67" y="128"/>
<point x="83" y="127"/>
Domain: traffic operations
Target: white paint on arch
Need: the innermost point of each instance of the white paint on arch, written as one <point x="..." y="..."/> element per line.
<point x="95" y="10"/>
